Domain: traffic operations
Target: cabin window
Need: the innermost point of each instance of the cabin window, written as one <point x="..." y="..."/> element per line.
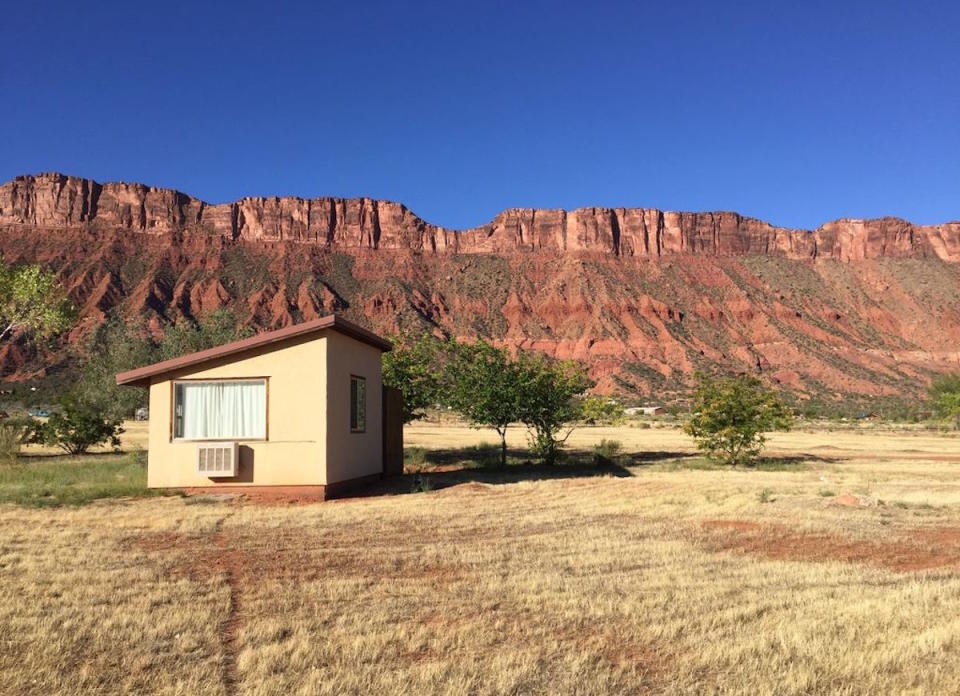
<point x="358" y="404"/>
<point x="234" y="409"/>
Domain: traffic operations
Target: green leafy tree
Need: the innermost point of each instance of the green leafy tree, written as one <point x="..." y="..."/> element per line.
<point x="485" y="388"/>
<point x="77" y="426"/>
<point x="945" y="398"/>
<point x="119" y="345"/>
<point x="212" y="330"/>
<point x="114" y="347"/>
<point x="602" y="409"/>
<point x="414" y="367"/>
<point x="548" y="401"/>
<point x="731" y="416"/>
<point x="32" y="301"/>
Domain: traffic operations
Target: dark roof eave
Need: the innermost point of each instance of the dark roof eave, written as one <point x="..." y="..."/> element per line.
<point x="142" y="376"/>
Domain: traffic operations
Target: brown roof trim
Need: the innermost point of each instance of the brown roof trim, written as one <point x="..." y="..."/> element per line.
<point x="142" y="375"/>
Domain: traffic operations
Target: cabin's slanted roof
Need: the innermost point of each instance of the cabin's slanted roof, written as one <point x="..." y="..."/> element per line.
<point x="142" y="375"/>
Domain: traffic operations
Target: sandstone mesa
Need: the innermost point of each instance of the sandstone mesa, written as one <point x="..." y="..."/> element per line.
<point x="643" y="296"/>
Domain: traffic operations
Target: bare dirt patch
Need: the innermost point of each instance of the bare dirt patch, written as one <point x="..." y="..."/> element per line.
<point x="847" y="500"/>
<point x="469" y="488"/>
<point x="938" y="548"/>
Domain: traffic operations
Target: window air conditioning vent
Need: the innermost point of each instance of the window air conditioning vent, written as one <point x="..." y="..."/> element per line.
<point x="217" y="459"/>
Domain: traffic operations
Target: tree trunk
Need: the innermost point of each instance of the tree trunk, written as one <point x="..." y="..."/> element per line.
<point x="503" y="449"/>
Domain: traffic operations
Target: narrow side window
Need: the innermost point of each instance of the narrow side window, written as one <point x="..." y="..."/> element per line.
<point x="358" y="404"/>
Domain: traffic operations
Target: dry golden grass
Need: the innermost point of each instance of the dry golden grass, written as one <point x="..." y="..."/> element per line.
<point x="668" y="437"/>
<point x="653" y="579"/>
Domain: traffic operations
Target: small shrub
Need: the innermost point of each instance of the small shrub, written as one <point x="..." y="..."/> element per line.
<point x="414" y="457"/>
<point x="14" y="433"/>
<point x="606" y="452"/>
<point x="945" y="399"/>
<point x="826" y="493"/>
<point x="602" y="410"/>
<point x="545" y="447"/>
<point x="486" y="454"/>
<point x="766" y="496"/>
<point x="421" y="484"/>
<point x="78" y="426"/>
<point x="138" y="457"/>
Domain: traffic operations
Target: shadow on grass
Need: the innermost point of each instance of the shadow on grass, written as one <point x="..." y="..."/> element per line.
<point x="489" y="458"/>
<point x="651" y="457"/>
<point x="697" y="462"/>
<point x="442" y="468"/>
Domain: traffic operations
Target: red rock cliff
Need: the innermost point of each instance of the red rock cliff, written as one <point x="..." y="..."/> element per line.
<point x="644" y="297"/>
<point x="58" y="201"/>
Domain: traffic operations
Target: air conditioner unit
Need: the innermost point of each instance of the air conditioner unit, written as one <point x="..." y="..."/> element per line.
<point x="217" y="459"/>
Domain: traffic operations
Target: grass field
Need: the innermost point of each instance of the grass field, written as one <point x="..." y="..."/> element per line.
<point x="835" y="568"/>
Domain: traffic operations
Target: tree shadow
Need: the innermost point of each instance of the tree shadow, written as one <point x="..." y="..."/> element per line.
<point x="776" y="462"/>
<point x="650" y="457"/>
<point x="427" y="470"/>
<point x="445" y="468"/>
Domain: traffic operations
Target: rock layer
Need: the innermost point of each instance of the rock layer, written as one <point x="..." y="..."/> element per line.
<point x="854" y="308"/>
<point x="59" y="201"/>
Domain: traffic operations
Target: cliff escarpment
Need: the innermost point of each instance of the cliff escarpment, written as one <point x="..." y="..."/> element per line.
<point x="644" y="297"/>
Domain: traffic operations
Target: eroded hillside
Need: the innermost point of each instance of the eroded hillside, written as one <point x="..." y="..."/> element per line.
<point x="644" y="297"/>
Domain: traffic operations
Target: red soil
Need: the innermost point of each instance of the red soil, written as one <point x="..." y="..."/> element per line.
<point x="927" y="549"/>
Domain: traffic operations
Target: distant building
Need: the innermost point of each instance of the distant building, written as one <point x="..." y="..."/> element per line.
<point x="645" y="411"/>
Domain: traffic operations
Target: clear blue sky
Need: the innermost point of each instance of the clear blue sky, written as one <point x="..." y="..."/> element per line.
<point x="793" y="112"/>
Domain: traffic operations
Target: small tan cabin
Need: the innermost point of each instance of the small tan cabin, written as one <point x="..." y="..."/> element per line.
<point x="300" y="407"/>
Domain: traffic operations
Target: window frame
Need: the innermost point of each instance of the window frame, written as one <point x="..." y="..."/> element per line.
<point x="218" y="380"/>
<point x="360" y="380"/>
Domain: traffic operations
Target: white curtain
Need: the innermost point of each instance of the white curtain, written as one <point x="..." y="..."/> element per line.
<point x="221" y="410"/>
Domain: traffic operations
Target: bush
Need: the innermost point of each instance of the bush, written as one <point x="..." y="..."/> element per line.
<point x="606" y="452"/>
<point x="545" y="447"/>
<point x="14" y="433"/>
<point x="78" y="426"/>
<point x="414" y="458"/>
<point x="945" y="398"/>
<point x="421" y="484"/>
<point x="730" y="417"/>
<point x="602" y="409"/>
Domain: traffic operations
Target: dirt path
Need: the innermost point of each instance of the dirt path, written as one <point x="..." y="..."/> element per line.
<point x="230" y="564"/>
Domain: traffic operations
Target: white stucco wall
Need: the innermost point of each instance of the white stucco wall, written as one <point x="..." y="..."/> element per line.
<point x="352" y="455"/>
<point x="295" y="449"/>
